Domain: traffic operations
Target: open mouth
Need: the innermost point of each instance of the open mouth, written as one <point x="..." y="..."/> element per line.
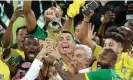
<point x="98" y="65"/>
<point x="31" y="53"/>
<point x="65" y="46"/>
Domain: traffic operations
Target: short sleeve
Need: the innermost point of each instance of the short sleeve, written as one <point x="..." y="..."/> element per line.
<point x="39" y="33"/>
<point x="97" y="51"/>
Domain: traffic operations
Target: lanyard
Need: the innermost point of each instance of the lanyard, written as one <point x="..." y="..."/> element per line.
<point x="41" y="10"/>
<point x="2" y="9"/>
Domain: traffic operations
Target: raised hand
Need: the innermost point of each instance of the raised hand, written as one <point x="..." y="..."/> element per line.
<point x="91" y="33"/>
<point x="87" y="17"/>
<point x="60" y="10"/>
<point x="53" y="13"/>
<point x="47" y="53"/>
<point x="49" y="59"/>
<point x="18" y="13"/>
<point x="49" y="14"/>
<point x="108" y="15"/>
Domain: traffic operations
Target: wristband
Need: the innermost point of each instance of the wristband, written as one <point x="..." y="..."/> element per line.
<point x="62" y="67"/>
<point x="55" y="62"/>
<point x="59" y="60"/>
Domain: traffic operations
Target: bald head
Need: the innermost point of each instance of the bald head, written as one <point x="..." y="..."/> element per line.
<point x="107" y="58"/>
<point x="110" y="53"/>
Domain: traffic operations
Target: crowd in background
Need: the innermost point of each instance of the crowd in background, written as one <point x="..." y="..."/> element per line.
<point x="66" y="40"/>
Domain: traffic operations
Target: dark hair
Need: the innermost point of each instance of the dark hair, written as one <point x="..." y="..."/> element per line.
<point x="22" y="27"/>
<point x="115" y="36"/>
<point x="129" y="32"/>
<point x="66" y="31"/>
<point x="109" y="53"/>
<point x="112" y="29"/>
<point x="77" y="25"/>
<point x="29" y="36"/>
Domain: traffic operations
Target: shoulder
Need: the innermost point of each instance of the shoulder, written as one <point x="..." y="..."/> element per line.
<point x="39" y="33"/>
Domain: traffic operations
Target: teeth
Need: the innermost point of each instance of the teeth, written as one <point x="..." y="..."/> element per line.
<point x="65" y="45"/>
<point x="32" y="55"/>
<point x="64" y="48"/>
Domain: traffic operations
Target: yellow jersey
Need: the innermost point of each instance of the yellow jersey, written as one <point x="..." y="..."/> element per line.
<point x="4" y="71"/>
<point x="15" y="56"/>
<point x="124" y="67"/>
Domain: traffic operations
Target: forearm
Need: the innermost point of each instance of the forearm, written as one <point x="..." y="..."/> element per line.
<point x="29" y="16"/>
<point x="83" y="31"/>
<point x="101" y="30"/>
<point x="7" y="38"/>
<point x="27" y="6"/>
<point x="68" y="24"/>
<point x="83" y="35"/>
<point x="101" y="33"/>
<point x="89" y="42"/>
<point x="65" y="75"/>
<point x="36" y="66"/>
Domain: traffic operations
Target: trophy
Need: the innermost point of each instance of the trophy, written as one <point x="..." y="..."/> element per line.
<point x="54" y="29"/>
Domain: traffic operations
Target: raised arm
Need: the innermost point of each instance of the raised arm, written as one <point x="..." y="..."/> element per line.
<point x="29" y="16"/>
<point x="66" y="75"/>
<point x="101" y="30"/>
<point x="7" y="38"/>
<point x="68" y="24"/>
<point x="72" y="11"/>
<point x="83" y="35"/>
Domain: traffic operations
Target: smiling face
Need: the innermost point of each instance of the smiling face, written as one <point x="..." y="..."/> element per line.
<point x="20" y="37"/>
<point x="107" y="58"/>
<point x="104" y="61"/>
<point x="31" y="47"/>
<point x="65" y="43"/>
<point x="21" y="34"/>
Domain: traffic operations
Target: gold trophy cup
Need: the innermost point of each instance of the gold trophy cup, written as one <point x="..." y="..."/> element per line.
<point x="54" y="29"/>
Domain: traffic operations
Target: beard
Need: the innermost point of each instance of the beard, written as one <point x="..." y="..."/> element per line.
<point x="103" y="66"/>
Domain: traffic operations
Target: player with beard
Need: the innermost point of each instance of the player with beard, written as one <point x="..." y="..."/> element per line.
<point x="113" y="40"/>
<point x="65" y="47"/>
<point x="106" y="60"/>
<point x="31" y="49"/>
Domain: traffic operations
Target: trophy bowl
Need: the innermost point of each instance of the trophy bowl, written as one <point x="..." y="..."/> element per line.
<point x="54" y="29"/>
